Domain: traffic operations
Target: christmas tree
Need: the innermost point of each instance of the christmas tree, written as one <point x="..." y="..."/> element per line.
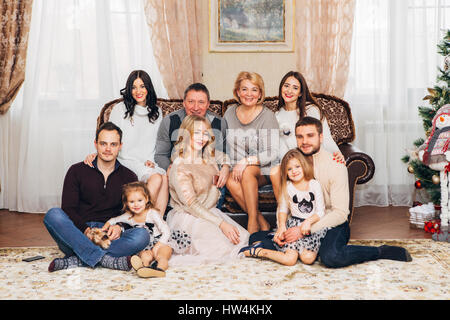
<point x="438" y="96"/>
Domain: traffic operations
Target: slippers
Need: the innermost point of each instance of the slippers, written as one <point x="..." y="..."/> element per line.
<point x="136" y="263"/>
<point x="252" y="249"/>
<point x="151" y="272"/>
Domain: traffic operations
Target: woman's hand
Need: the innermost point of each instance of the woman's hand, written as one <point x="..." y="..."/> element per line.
<point x="89" y="159"/>
<point x="223" y="176"/>
<point x="238" y="170"/>
<point x="150" y="164"/>
<point x="339" y="157"/>
<point x="231" y="232"/>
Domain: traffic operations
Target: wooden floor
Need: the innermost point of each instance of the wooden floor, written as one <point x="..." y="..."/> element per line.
<point x="27" y="229"/>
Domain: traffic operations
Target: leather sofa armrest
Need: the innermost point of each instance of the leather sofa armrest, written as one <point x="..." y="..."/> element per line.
<point x="359" y="162"/>
<point x="361" y="169"/>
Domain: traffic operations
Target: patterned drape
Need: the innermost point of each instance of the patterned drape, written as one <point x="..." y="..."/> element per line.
<point x="15" y="24"/>
<point x="323" y="43"/>
<point x="176" y="46"/>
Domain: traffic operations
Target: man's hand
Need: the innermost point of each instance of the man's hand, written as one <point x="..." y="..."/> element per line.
<point x="88" y="233"/>
<point x="305" y="227"/>
<point x="292" y="234"/>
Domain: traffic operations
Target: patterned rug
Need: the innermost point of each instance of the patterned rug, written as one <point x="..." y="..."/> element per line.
<point x="426" y="277"/>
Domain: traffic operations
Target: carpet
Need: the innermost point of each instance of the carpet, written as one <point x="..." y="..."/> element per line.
<point x="426" y="277"/>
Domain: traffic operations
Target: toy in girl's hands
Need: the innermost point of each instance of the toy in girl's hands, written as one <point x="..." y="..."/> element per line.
<point x="99" y="237"/>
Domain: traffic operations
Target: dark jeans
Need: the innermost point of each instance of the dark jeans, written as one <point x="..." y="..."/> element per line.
<point x="335" y="253"/>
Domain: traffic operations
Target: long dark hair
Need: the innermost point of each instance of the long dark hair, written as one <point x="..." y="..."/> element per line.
<point x="305" y="94"/>
<point x="130" y="103"/>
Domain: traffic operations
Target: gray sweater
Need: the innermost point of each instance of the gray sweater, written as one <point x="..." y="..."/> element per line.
<point x="168" y="134"/>
<point x="260" y="138"/>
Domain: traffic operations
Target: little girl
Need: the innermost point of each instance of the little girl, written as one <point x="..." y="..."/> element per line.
<point x="301" y="196"/>
<point x="140" y="213"/>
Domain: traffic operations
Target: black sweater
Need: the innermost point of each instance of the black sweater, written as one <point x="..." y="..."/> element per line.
<point x="87" y="197"/>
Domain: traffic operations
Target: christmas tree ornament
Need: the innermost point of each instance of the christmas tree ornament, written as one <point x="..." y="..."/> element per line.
<point x="435" y="179"/>
<point x="447" y="63"/>
<point x="418" y="184"/>
<point x="435" y="154"/>
<point x="410" y="169"/>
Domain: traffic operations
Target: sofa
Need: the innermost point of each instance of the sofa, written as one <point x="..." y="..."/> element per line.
<point x="361" y="167"/>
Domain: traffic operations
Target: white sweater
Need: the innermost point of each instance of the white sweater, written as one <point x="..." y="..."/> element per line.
<point x="303" y="204"/>
<point x="139" y="140"/>
<point x="287" y="121"/>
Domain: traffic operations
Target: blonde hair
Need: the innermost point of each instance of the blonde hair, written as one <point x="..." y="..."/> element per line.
<point x="308" y="171"/>
<point x="254" y="78"/>
<point x="135" y="187"/>
<point x="186" y="132"/>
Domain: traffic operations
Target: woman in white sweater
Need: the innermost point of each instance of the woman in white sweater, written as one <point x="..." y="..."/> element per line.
<point x="139" y="118"/>
<point x="294" y="103"/>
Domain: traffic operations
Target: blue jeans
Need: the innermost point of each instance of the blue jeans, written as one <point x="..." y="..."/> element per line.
<point x="71" y="240"/>
<point x="335" y="253"/>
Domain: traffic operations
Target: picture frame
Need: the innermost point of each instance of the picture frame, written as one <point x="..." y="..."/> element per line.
<point x="251" y="25"/>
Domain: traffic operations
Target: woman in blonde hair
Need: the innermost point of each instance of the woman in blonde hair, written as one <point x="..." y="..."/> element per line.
<point x="202" y="232"/>
<point x="252" y="144"/>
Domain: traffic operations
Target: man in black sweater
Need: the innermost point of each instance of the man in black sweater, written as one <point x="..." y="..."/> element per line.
<point x="90" y="197"/>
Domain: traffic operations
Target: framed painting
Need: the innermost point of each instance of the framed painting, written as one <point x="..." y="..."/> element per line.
<point x="251" y="25"/>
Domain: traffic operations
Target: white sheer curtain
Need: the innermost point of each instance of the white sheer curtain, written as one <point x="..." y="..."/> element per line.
<point x="394" y="59"/>
<point x="79" y="56"/>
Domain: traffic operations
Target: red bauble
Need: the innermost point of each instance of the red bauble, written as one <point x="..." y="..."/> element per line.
<point x="432" y="226"/>
<point x="418" y="184"/>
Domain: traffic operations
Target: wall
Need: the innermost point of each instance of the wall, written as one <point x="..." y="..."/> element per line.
<point x="221" y="69"/>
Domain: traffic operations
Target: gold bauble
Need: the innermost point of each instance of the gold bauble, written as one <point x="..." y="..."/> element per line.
<point x="410" y="169"/>
<point x="435" y="179"/>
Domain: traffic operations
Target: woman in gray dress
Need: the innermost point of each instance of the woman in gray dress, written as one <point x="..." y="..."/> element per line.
<point x="252" y="144"/>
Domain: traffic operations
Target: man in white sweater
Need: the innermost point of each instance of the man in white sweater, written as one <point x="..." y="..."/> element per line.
<point x="333" y="177"/>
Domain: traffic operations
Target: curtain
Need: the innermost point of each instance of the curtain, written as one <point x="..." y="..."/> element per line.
<point x="15" y="24"/>
<point x="393" y="60"/>
<point x="323" y="42"/>
<point x="174" y="35"/>
<point x="80" y="53"/>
